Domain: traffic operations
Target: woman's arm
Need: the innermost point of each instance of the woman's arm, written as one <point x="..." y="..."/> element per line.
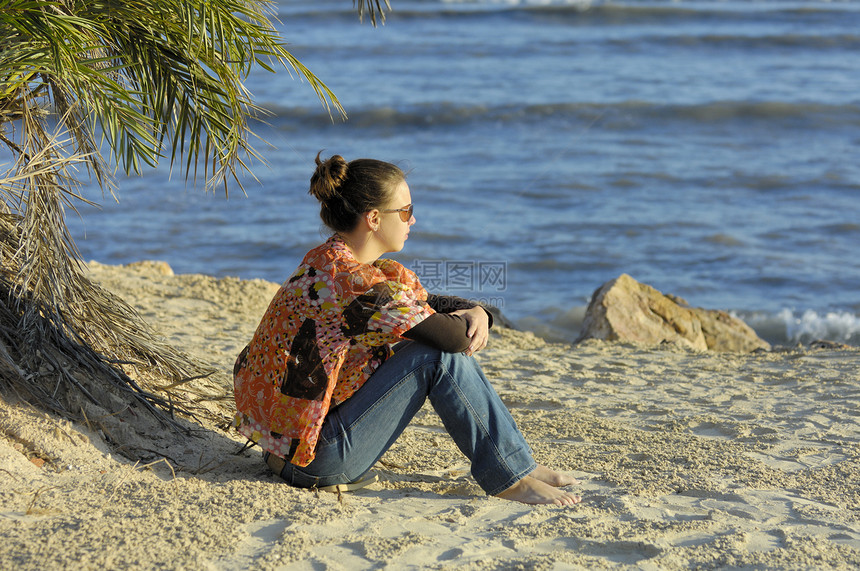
<point x="443" y="331"/>
<point x="458" y="326"/>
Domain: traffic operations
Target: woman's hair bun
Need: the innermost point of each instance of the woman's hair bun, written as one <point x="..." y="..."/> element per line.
<point x="328" y="177"/>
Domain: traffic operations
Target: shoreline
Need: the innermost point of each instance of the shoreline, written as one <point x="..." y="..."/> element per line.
<point x="688" y="459"/>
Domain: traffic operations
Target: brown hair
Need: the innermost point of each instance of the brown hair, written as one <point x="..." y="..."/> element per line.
<point x="347" y="190"/>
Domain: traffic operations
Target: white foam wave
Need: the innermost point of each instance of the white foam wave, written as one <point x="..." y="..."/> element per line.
<point x="843" y="327"/>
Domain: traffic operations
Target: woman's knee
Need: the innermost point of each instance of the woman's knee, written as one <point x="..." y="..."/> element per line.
<point x="418" y="352"/>
<point x="460" y="361"/>
<point x="438" y="363"/>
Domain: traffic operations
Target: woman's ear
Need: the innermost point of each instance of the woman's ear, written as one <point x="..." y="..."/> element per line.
<point x="372" y="218"/>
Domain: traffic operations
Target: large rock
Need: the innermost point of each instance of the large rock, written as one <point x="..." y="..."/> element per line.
<point x="724" y="332"/>
<point x="626" y="310"/>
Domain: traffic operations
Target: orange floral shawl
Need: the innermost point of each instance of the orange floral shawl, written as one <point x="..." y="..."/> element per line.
<point x="325" y="332"/>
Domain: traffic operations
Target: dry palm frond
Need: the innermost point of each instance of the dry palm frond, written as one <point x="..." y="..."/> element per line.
<point x="57" y="328"/>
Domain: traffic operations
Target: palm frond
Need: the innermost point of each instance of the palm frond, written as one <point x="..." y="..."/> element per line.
<point x="152" y="74"/>
<point x="375" y="8"/>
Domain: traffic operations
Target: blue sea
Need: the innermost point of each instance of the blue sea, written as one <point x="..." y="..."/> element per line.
<point x="709" y="149"/>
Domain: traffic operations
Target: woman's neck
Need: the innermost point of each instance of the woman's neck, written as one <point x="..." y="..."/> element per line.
<point x="362" y="245"/>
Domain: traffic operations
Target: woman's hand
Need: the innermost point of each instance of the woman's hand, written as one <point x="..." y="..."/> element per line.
<point x="478" y="328"/>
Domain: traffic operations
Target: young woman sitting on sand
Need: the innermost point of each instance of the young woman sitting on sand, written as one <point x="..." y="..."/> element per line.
<point x="352" y="345"/>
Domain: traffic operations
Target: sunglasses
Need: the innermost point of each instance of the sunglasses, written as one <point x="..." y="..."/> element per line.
<point x="405" y="212"/>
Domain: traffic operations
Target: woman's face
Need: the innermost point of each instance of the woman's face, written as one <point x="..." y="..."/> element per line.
<point x="393" y="231"/>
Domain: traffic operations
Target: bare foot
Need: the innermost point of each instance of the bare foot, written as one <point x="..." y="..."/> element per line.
<point x="552" y="477"/>
<point x="530" y="490"/>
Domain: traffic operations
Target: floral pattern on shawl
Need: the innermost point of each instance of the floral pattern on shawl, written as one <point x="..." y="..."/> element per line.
<point x="325" y="332"/>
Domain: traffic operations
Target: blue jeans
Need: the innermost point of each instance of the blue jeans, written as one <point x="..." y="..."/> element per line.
<point x="358" y="432"/>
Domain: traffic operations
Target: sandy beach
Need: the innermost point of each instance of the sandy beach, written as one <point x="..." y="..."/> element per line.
<point x="687" y="460"/>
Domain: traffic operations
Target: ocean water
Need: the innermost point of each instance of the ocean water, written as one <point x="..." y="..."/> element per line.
<point x="709" y="149"/>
